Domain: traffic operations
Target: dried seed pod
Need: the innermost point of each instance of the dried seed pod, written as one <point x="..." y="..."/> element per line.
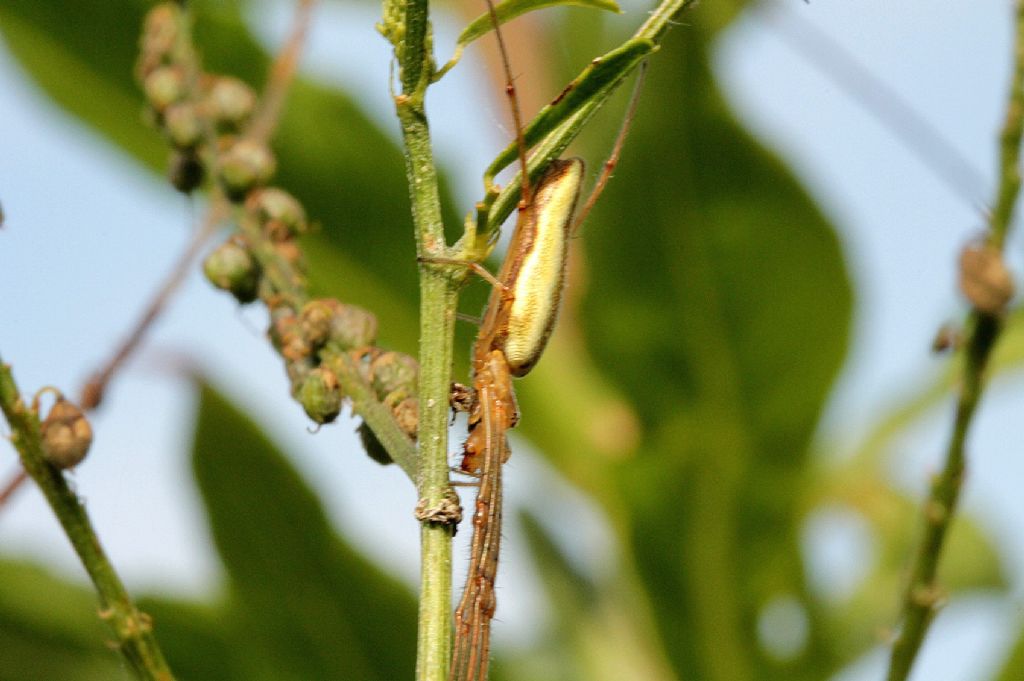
<point x="315" y="319"/>
<point x="283" y="322"/>
<point x="159" y="34"/>
<point x="374" y="449"/>
<point x="286" y="334"/>
<point x="230" y="103"/>
<point x="363" y="357"/>
<point x="183" y="126"/>
<point x="948" y="337"/>
<point x="394" y="371"/>
<point x="353" y="327"/>
<point x="245" y="166"/>
<point x="185" y="171"/>
<point x="298" y="372"/>
<point x="66" y="434"/>
<point x="320" y="395"/>
<point x="232" y="268"/>
<point x="290" y="253"/>
<point x="984" y="278"/>
<point x="164" y="86"/>
<point x="407" y="415"/>
<point x="280" y="213"/>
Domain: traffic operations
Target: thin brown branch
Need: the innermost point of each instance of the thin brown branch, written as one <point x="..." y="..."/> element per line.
<point x="12" y="486"/>
<point x="92" y="392"/>
<point x="282" y="73"/>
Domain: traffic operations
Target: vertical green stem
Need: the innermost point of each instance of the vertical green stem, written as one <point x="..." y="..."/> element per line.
<point x="922" y="595"/>
<point x="438" y="295"/>
<point x="133" y="629"/>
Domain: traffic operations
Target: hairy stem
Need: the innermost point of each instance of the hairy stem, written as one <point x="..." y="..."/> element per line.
<point x="131" y="627"/>
<point x="438" y="298"/>
<point x="922" y="595"/>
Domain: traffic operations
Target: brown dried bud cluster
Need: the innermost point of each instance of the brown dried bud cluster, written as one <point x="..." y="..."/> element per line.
<point x="985" y="279"/>
<point x="160" y="31"/>
<point x="66" y="434"/>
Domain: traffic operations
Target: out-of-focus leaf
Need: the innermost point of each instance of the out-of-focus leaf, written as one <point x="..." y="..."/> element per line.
<point x="347" y="172"/>
<point x="50" y="629"/>
<point x="510" y="9"/>
<point x="317" y="608"/>
<point x="201" y="643"/>
<point x="1013" y="668"/>
<point x="1007" y="356"/>
<point x="507" y="11"/>
<point x="85" y="65"/>
<point x="970" y="561"/>
<point x="594" y="634"/>
<point x="719" y="307"/>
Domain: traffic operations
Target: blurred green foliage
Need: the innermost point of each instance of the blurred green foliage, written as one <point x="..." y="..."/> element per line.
<point x="681" y="394"/>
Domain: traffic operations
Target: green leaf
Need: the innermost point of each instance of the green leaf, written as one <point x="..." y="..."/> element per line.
<point x="1007" y="357"/>
<point x="202" y="642"/>
<point x="50" y="629"/>
<point x="718" y="307"/>
<point x="1013" y="668"/>
<point x="556" y="126"/>
<point x="316" y="608"/>
<point x="595" y="634"/>
<point x="970" y="560"/>
<point x="507" y="11"/>
<point x="87" y="75"/>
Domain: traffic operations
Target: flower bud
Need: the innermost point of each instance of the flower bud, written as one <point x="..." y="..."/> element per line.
<point x="363" y="357"/>
<point x="185" y="171"/>
<point x="374" y="449"/>
<point x="291" y="254"/>
<point x="164" y="86"/>
<point x="183" y="125"/>
<point x="283" y="321"/>
<point x="320" y="395"/>
<point x="393" y="371"/>
<point x="315" y="319"/>
<point x="407" y="415"/>
<point x="985" y="279"/>
<point x="286" y="334"/>
<point x="159" y="34"/>
<point x="66" y="435"/>
<point x="280" y="213"/>
<point x="353" y="327"/>
<point x="230" y="102"/>
<point x="231" y="267"/>
<point x="298" y="371"/>
<point x="245" y="166"/>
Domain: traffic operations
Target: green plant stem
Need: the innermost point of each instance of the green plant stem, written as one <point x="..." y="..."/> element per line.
<point x="133" y="628"/>
<point x="922" y="595"/>
<point x="438" y="297"/>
